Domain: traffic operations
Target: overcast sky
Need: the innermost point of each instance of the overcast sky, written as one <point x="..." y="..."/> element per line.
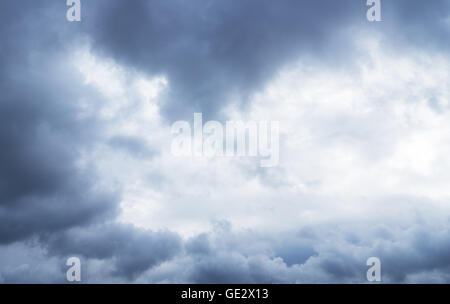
<point x="86" y="169"/>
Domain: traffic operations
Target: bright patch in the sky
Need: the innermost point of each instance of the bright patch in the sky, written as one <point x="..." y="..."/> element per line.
<point x="354" y="144"/>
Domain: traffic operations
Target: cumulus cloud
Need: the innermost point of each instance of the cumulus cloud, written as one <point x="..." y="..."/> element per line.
<point x="48" y="185"/>
<point x="330" y="255"/>
<point x="215" y="51"/>
<point x="131" y="250"/>
<point x="41" y="136"/>
<point x="85" y="162"/>
<point x="212" y="51"/>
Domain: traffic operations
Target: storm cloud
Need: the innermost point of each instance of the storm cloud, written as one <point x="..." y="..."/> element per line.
<point x="85" y="167"/>
<point x="214" y="51"/>
<point x="44" y="189"/>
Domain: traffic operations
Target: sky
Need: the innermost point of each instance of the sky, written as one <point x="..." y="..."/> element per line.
<point x="86" y="168"/>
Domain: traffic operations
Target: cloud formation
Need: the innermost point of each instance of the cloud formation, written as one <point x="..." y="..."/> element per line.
<point x="85" y="166"/>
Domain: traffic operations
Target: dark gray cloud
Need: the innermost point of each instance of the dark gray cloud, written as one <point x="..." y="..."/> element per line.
<point x="210" y="51"/>
<point x="130" y="250"/>
<point x="44" y="191"/>
<point x="215" y="50"/>
<point x="41" y="134"/>
<point x="224" y="256"/>
<point x="410" y="255"/>
<point x="417" y="253"/>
